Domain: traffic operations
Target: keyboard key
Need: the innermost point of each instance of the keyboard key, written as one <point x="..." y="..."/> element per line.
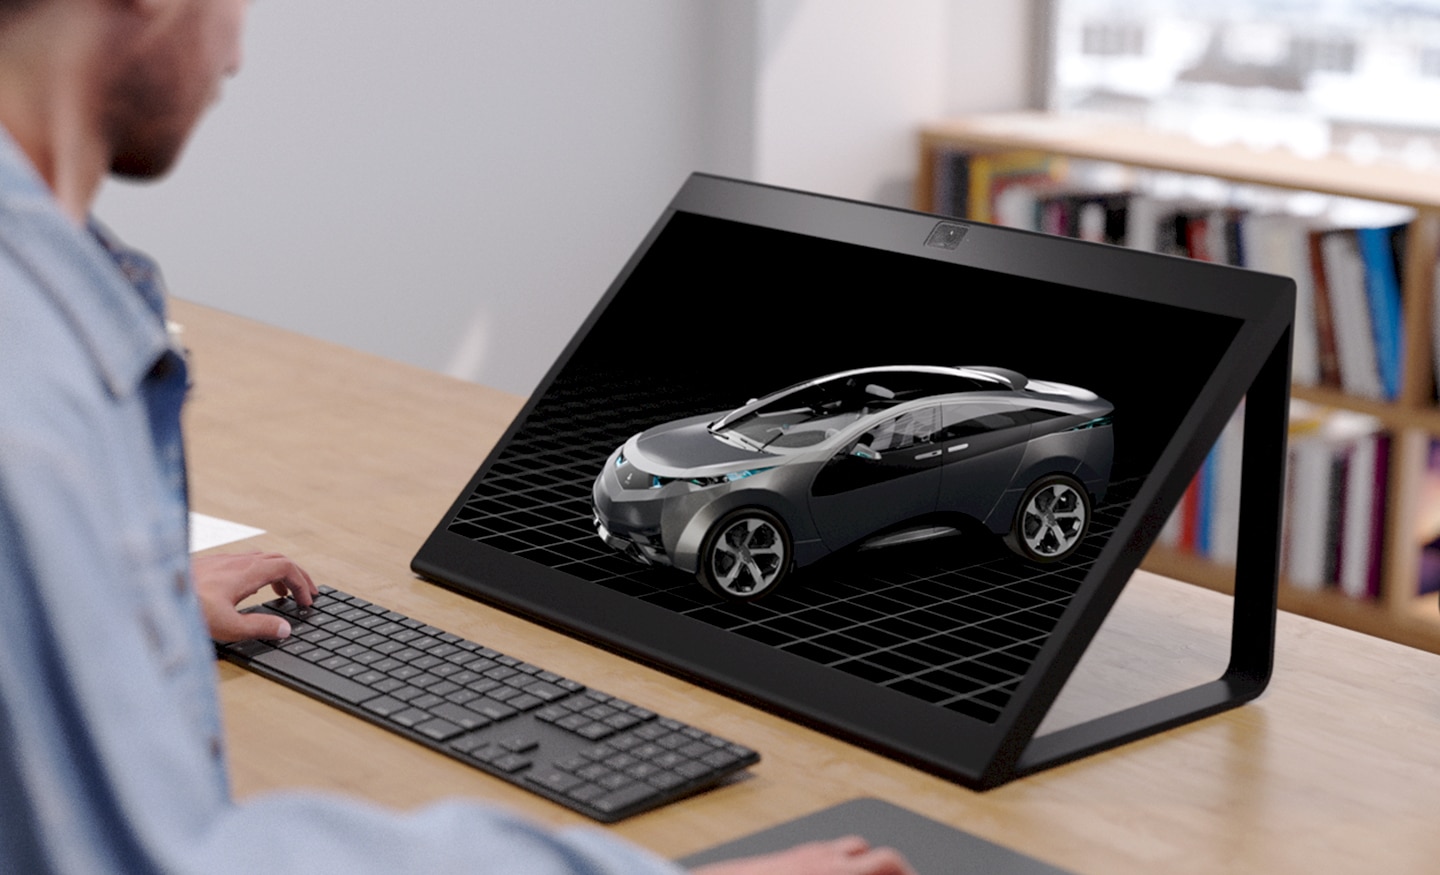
<point x="439" y="729"/>
<point x="691" y="769"/>
<point x="594" y="771"/>
<point x="462" y="717"/>
<point x="250" y="648"/>
<point x="315" y="676"/>
<point x="511" y="762"/>
<point x="525" y="702"/>
<point x="385" y="706"/>
<point x="554" y="779"/>
<point x="468" y="743"/>
<point x="586" y="792"/>
<point x="545" y="691"/>
<point x="406" y="692"/>
<point x="614" y="780"/>
<point x="460" y="697"/>
<point x="625" y="797"/>
<point x="663" y="780"/>
<point x="624" y="741"/>
<point x="410" y="717"/>
<point x="719" y="759"/>
<point x="496" y="711"/>
<point x="520" y="744"/>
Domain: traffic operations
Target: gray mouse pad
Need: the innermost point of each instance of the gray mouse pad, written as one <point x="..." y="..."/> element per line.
<point x="931" y="847"/>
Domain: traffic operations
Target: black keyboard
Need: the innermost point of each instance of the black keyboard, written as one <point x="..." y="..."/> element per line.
<point x="594" y="753"/>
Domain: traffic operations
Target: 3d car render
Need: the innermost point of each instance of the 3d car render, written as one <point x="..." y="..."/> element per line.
<point x="863" y="458"/>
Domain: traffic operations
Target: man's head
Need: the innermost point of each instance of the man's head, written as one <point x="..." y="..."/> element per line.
<point x="171" y="58"/>
<point x="90" y="87"/>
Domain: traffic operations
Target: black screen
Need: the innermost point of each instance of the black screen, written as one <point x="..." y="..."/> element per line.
<point x="719" y="312"/>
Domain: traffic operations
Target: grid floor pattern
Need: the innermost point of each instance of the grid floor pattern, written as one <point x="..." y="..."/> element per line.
<point x="956" y="622"/>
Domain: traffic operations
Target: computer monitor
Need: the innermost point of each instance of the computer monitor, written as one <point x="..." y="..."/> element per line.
<point x="879" y="471"/>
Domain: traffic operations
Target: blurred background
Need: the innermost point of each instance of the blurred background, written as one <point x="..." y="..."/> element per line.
<point x="455" y="183"/>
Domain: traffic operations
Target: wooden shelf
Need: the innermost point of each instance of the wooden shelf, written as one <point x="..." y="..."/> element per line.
<point x="1129" y="144"/>
<point x="1417" y="625"/>
<point x="1392" y="415"/>
<point x="1412" y="419"/>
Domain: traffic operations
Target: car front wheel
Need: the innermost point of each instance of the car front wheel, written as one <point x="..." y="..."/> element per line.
<point x="745" y="555"/>
<point x="1053" y="518"/>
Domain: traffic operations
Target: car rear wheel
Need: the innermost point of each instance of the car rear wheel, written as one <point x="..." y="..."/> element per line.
<point x="1052" y="520"/>
<point x="745" y="555"/>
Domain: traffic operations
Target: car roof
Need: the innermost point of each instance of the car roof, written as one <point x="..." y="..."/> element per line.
<point x="967" y="378"/>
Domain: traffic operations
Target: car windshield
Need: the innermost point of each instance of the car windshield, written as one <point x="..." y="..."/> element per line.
<point x="811" y="414"/>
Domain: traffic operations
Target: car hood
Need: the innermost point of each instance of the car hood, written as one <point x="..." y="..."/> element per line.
<point x="687" y="449"/>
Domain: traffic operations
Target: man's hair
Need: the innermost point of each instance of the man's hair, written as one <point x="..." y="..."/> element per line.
<point x="11" y="8"/>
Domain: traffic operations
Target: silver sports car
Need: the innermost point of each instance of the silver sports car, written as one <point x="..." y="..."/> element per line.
<point x="870" y="457"/>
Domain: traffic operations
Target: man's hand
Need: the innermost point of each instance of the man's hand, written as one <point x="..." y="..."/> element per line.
<point x="223" y="581"/>
<point x="848" y="856"/>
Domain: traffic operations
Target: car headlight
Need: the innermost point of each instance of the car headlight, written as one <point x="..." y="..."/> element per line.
<point x="646" y="480"/>
<point x="726" y="478"/>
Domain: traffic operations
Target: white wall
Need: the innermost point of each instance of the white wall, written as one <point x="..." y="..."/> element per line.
<point x="454" y="183"/>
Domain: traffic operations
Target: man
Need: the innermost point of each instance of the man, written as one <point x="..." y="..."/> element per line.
<point x="110" y="752"/>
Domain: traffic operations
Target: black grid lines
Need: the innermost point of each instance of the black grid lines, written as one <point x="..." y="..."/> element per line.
<point x="955" y="622"/>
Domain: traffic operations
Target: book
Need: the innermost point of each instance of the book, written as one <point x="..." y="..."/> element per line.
<point x="1225" y="489"/>
<point x="951" y="193"/>
<point x="1335" y="500"/>
<point x="1344" y="272"/>
<point x="1280" y="244"/>
<point x="1382" y="292"/>
<point x="1364" y="496"/>
<point x="991" y="173"/>
<point x="1327" y="358"/>
<point x="1206" y="521"/>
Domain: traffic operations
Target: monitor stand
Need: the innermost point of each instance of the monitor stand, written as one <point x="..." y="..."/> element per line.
<point x="1252" y="632"/>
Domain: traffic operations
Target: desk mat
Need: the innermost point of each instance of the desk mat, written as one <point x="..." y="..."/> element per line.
<point x="931" y="847"/>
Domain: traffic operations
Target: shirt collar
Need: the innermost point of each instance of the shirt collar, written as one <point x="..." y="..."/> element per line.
<point x="86" y="273"/>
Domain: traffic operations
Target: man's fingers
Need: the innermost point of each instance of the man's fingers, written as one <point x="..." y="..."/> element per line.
<point x="281" y="575"/>
<point x="883" y="861"/>
<point x="241" y="627"/>
<point x="307" y="593"/>
<point x="850" y="855"/>
<point x="849" y="845"/>
<point x="223" y="581"/>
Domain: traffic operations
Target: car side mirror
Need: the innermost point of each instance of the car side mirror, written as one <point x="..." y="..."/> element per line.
<point x="863" y="451"/>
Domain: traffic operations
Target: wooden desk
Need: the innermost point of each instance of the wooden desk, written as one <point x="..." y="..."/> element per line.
<point x="348" y="461"/>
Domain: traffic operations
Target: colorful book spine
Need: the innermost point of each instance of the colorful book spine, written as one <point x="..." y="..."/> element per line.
<point x="1382" y="292"/>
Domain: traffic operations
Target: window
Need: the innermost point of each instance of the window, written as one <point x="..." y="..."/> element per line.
<point x="1356" y="76"/>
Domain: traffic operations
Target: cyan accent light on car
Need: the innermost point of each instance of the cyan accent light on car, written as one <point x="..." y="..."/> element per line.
<point x="1093" y="423"/>
<point x="726" y="478"/>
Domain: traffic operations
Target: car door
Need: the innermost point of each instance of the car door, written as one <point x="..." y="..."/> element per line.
<point x="982" y="443"/>
<point x="888" y="475"/>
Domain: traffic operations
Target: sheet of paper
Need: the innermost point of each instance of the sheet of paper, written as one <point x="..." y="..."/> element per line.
<point x="209" y="531"/>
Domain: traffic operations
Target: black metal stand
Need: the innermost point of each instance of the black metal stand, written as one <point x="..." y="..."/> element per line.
<point x="1252" y="643"/>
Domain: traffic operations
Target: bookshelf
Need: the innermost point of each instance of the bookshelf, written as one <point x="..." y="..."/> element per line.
<point x="1398" y="612"/>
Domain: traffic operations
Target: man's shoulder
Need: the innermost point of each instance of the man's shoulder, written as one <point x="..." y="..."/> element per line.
<point x="69" y="305"/>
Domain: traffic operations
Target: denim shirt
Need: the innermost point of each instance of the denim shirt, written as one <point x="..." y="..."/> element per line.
<point x="110" y="751"/>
